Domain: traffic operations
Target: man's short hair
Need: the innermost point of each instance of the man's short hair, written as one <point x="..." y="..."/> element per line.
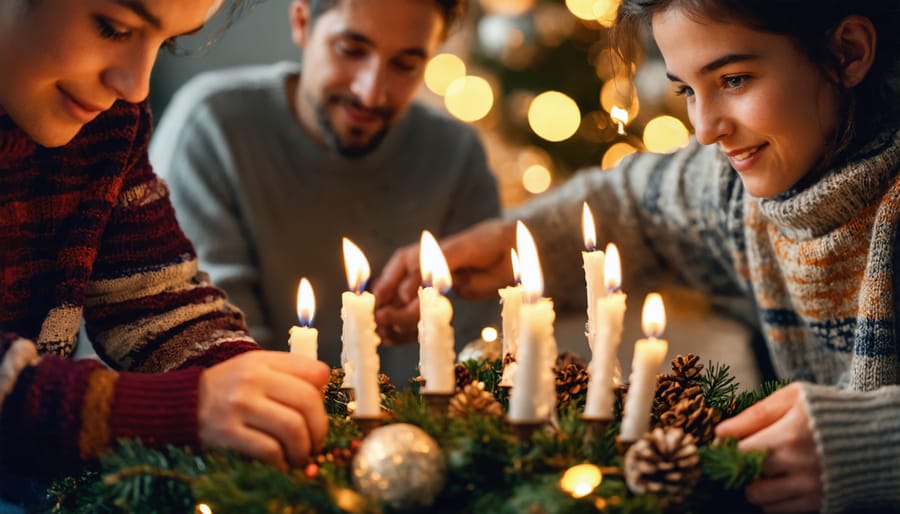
<point x="451" y="10"/>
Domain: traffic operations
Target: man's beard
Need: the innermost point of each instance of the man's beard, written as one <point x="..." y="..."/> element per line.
<point x="346" y="148"/>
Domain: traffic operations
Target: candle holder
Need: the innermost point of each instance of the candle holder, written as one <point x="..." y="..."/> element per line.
<point x="596" y="427"/>
<point x="438" y="403"/>
<point x="524" y="430"/>
<point x="368" y="423"/>
<point x="622" y="445"/>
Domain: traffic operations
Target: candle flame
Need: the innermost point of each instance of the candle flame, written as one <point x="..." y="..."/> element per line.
<point x="653" y="316"/>
<point x="433" y="265"/>
<point x="532" y="278"/>
<point x="517" y="273"/>
<point x="588" y="228"/>
<point x="620" y="116"/>
<point x="612" y="268"/>
<point x="357" y="267"/>
<point x="306" y="303"/>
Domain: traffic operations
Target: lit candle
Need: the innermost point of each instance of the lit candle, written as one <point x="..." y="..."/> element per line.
<point x="436" y="355"/>
<point x="593" y="272"/>
<point x="533" y="397"/>
<point x="359" y="355"/>
<point x="511" y="300"/>
<point x="648" y="356"/>
<point x="304" y="338"/>
<point x="609" y="317"/>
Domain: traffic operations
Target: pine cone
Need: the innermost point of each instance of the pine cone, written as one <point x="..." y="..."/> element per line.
<point x="664" y="462"/>
<point x="694" y="417"/>
<point x="686" y="367"/>
<point x="463" y="376"/>
<point x="566" y="358"/>
<point x="473" y="399"/>
<point x="669" y="391"/>
<point x="571" y="383"/>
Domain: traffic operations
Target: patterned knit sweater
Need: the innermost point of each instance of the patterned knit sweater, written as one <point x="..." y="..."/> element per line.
<point x="87" y="231"/>
<point x="815" y="264"/>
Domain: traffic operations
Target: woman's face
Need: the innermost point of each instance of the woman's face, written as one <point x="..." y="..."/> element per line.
<point x="64" y="62"/>
<point x="754" y="94"/>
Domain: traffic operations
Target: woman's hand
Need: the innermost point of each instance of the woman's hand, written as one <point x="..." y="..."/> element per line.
<point x="792" y="473"/>
<point x="267" y="405"/>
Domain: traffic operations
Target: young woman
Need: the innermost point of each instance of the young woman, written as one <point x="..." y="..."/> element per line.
<point x="88" y="233"/>
<point x="788" y="200"/>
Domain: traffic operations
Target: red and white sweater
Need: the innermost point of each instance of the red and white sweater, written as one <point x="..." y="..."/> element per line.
<point x="87" y="231"/>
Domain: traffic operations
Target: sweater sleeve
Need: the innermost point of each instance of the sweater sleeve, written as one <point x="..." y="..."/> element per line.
<point x="858" y="438"/>
<point x="672" y="217"/>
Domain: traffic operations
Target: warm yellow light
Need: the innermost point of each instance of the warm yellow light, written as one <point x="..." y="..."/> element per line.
<point x="588" y="229"/>
<point x="517" y="274"/>
<point x="581" y="480"/>
<point x="536" y="179"/>
<point x="356" y="266"/>
<point x="620" y="116"/>
<point x="617" y="92"/>
<point x="612" y="268"/>
<point x="653" y="316"/>
<point x="443" y="69"/>
<point x="489" y="334"/>
<point x="202" y="508"/>
<point x="432" y="264"/>
<point x="615" y="153"/>
<point x="583" y="9"/>
<point x="554" y="116"/>
<point x="306" y="303"/>
<point x="469" y="98"/>
<point x="507" y="7"/>
<point x="665" y="134"/>
<point x="605" y="11"/>
<point x="532" y="278"/>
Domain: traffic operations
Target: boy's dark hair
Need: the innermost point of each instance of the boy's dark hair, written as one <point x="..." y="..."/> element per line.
<point x="810" y="24"/>
<point x="451" y="10"/>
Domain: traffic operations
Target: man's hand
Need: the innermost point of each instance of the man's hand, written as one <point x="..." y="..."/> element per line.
<point x="792" y="473"/>
<point x="267" y="405"/>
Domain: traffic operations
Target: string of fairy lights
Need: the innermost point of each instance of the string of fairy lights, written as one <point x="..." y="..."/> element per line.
<point x="503" y="28"/>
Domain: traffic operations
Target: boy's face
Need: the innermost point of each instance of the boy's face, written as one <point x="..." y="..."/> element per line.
<point x="362" y="63"/>
<point x="64" y="62"/>
<point x="766" y="105"/>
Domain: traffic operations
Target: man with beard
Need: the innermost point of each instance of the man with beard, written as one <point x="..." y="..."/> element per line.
<point x="270" y="166"/>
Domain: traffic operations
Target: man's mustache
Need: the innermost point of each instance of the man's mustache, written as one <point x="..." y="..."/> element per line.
<point x="384" y="113"/>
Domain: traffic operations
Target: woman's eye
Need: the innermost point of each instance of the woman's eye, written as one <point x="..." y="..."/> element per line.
<point x="684" y="91"/>
<point x="735" y="81"/>
<point x="108" y="30"/>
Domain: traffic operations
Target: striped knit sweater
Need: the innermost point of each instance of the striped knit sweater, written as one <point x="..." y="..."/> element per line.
<point x="87" y="231"/>
<point x="815" y="264"/>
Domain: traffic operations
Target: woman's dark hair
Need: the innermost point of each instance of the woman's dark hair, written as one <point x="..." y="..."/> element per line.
<point x="451" y="10"/>
<point x="869" y="106"/>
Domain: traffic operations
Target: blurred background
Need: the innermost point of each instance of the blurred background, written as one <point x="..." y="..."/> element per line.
<point x="537" y="78"/>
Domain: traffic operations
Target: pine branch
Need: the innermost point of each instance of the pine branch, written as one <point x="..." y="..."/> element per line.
<point x="718" y="386"/>
<point x="733" y="469"/>
<point x="748" y="398"/>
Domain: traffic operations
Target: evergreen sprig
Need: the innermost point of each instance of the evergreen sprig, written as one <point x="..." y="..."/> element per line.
<point x="718" y="386"/>
<point x="748" y="398"/>
<point x="725" y="464"/>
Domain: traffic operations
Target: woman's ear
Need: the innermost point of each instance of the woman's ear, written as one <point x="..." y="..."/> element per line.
<point x="854" y="42"/>
<point x="298" y="12"/>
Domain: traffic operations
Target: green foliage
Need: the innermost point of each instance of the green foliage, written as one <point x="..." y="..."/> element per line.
<point x="489" y="470"/>
<point x="718" y="386"/>
<point x="748" y="398"/>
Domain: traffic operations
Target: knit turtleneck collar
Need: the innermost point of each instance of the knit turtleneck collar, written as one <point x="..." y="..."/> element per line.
<point x="840" y="194"/>
<point x="15" y="144"/>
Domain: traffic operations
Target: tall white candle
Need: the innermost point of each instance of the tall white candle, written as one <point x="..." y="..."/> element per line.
<point x="511" y="302"/>
<point x="648" y="356"/>
<point x="436" y="354"/>
<point x="359" y="355"/>
<point x="304" y="339"/>
<point x="609" y="316"/>
<point x="533" y="396"/>
<point x="593" y="272"/>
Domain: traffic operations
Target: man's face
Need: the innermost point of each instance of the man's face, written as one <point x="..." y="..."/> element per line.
<point x="63" y="62"/>
<point x="362" y="63"/>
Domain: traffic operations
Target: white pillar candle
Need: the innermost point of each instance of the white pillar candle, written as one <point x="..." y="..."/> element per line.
<point x="436" y="353"/>
<point x="593" y="272"/>
<point x="533" y="397"/>
<point x="359" y="355"/>
<point x="304" y="339"/>
<point x="609" y="316"/>
<point x="511" y="302"/>
<point x="648" y="356"/>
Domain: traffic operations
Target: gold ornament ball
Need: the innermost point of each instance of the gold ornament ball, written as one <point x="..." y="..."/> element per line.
<point x="400" y="465"/>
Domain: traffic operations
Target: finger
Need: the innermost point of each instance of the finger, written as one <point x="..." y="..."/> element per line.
<point x="477" y="285"/>
<point x="782" y="489"/>
<point x="306" y="400"/>
<point x="286" y="426"/>
<point x="397" y="268"/>
<point x="760" y="415"/>
<point x="248" y="441"/>
<point x="806" y="504"/>
<point x="313" y="371"/>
